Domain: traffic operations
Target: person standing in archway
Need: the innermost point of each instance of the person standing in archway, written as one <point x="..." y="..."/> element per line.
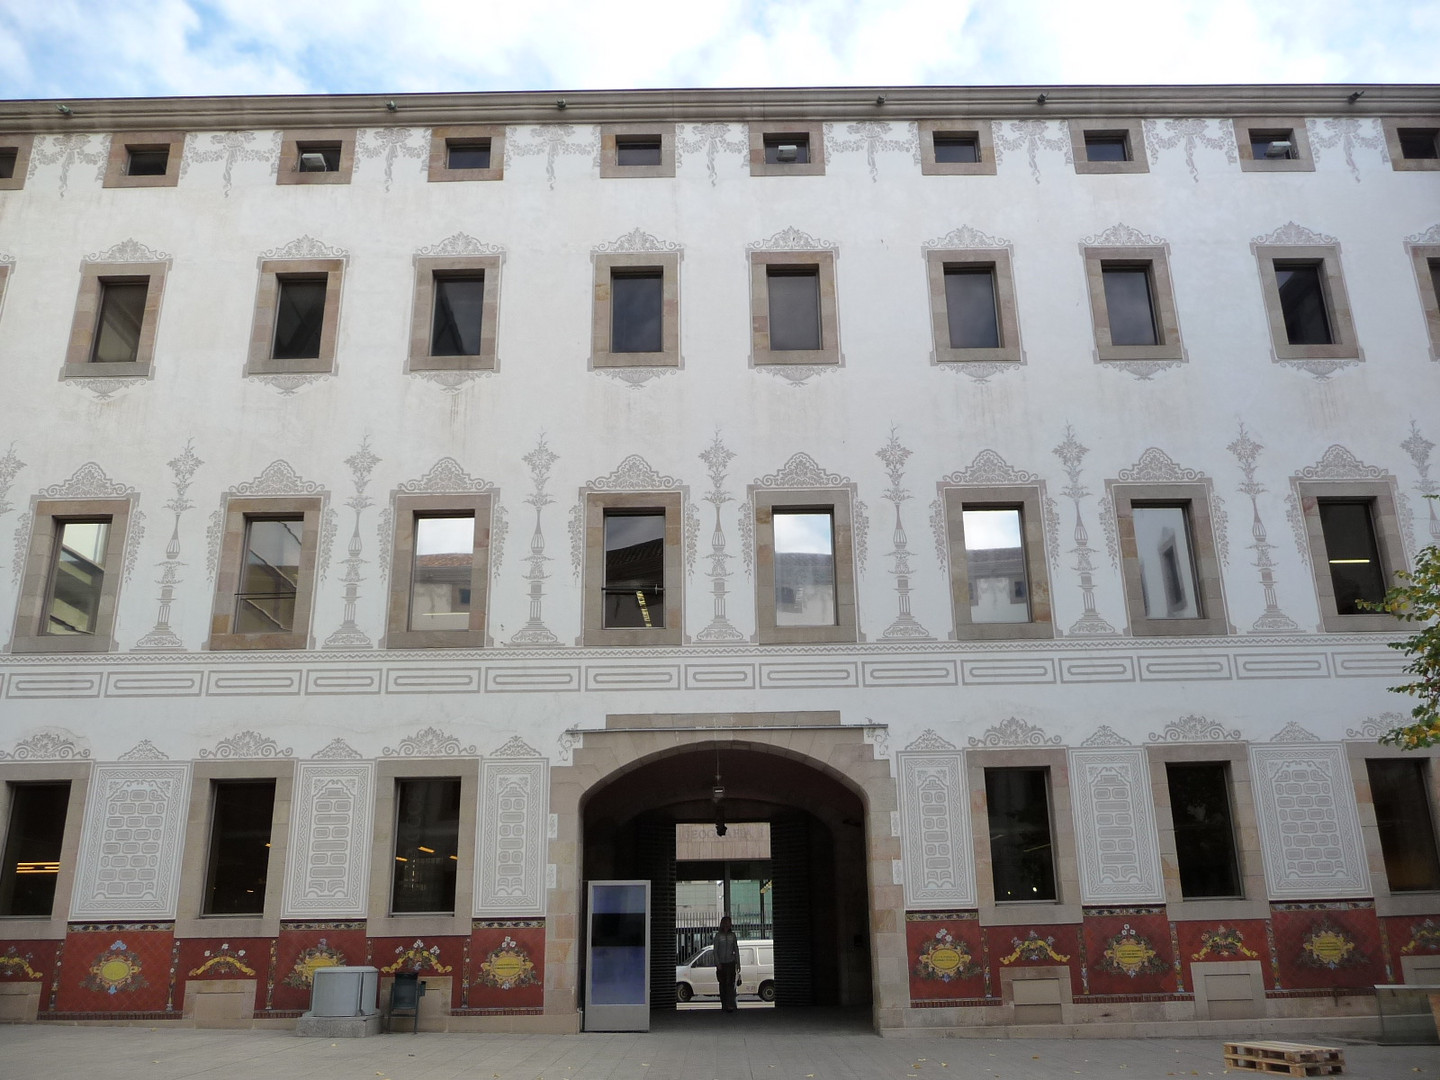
<point x="727" y="964"/>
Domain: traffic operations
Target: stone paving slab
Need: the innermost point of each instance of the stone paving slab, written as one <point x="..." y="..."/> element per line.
<point x="726" y="1049"/>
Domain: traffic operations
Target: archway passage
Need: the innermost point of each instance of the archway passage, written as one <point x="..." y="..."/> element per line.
<point x="817" y="860"/>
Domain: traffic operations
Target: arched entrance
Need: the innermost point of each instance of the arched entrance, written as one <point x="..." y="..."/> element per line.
<point x="828" y="801"/>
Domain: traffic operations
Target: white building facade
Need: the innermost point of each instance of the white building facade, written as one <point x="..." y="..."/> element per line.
<point x="408" y="507"/>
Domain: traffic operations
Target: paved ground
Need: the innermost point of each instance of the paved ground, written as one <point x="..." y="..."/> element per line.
<point x="693" y="1046"/>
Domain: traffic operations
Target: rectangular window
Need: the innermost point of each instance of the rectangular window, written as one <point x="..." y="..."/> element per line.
<point x="1204" y="829"/>
<point x="1400" y="791"/>
<point x="1132" y="304"/>
<point x="33" y="839"/>
<point x="14" y="160"/>
<point x="635" y="315"/>
<point x="804" y="568"/>
<point x="998" y="580"/>
<point x="1352" y="554"/>
<point x="1022" y="857"/>
<point x="454" y="314"/>
<point x="637" y="310"/>
<point x="299" y="318"/>
<point x="8" y="156"/>
<point x="147" y="160"/>
<point x="297" y="315"/>
<point x="122" y="314"/>
<point x="1167" y="566"/>
<point x="637" y="150"/>
<point x="1425" y="258"/>
<point x="427" y="840"/>
<point x="77" y="577"/>
<point x="316" y="156"/>
<point x="634" y="569"/>
<point x="1106" y="146"/>
<point x="787" y="149"/>
<point x="1168" y="559"/>
<point x="467" y="153"/>
<point x="957" y="148"/>
<point x="270" y="580"/>
<point x="794" y="304"/>
<point x="1356" y="546"/>
<point x="1302" y="299"/>
<point x="952" y="148"/>
<point x="459" y="315"/>
<point x="995" y="561"/>
<point x="239" y="860"/>
<point x="140" y="159"/>
<point x="444" y="563"/>
<point x="1306" y="303"/>
<point x="1273" y="144"/>
<point x="1129" y="304"/>
<point x="970" y="307"/>
<point x="1414" y="143"/>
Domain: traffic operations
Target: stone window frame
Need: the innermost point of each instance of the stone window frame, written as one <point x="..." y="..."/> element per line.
<point x="1422" y="255"/>
<point x="1156" y="261"/>
<point x="260" y="360"/>
<point x="596" y="503"/>
<point x="998" y="259"/>
<point x="122" y="142"/>
<point x="1303" y="161"/>
<point x="1249" y="855"/>
<point x="765" y="502"/>
<point x="1398" y="161"/>
<point x="22" y="145"/>
<point x="1131" y="128"/>
<point x="237" y="513"/>
<point x="288" y="171"/>
<point x="440" y="137"/>
<point x="191" y="921"/>
<point x="93" y="278"/>
<point x="77" y="774"/>
<point x="427" y="271"/>
<point x="406" y="507"/>
<point x="35" y="581"/>
<point x="1389" y="539"/>
<point x="388" y="772"/>
<point x="668" y="263"/>
<point x="823" y="261"/>
<point x="1195" y="497"/>
<point x="1357" y="753"/>
<point x="984" y="141"/>
<point x="1030" y="500"/>
<point x="1345" y="345"/>
<point x="1065" y="908"/>
<point x="813" y="130"/>
<point x="610" y="136"/>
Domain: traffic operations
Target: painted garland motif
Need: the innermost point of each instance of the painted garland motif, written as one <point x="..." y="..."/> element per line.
<point x="223" y="962"/>
<point x="1032" y="949"/>
<point x="13" y="963"/>
<point x="507" y="967"/>
<point x="1223" y="941"/>
<point x="944" y="958"/>
<point x="319" y="955"/>
<point x="1424" y="937"/>
<point x="417" y="958"/>
<point x="1327" y="946"/>
<point x="115" y="971"/>
<point x="1130" y="953"/>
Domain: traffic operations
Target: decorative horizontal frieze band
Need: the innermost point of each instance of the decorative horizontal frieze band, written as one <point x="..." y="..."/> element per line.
<point x="909" y="673"/>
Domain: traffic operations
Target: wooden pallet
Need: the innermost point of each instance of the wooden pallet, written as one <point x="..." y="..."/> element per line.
<point x="1284" y="1058"/>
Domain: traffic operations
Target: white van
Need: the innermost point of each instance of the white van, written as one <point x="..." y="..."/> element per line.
<point x="757" y="972"/>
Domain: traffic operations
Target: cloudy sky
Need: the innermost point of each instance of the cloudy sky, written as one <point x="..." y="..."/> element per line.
<point x="116" y="48"/>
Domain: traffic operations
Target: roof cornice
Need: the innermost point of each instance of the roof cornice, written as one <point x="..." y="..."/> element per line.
<point x="695" y="106"/>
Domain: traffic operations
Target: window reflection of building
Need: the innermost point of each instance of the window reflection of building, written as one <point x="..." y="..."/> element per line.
<point x="78" y="577"/>
<point x="635" y="570"/>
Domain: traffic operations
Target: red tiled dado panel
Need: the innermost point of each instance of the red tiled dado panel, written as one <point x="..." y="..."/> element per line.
<point x="1034" y="946"/>
<point x="30" y="961"/>
<point x="944" y="954"/>
<point x="116" y="968"/>
<point x="444" y="956"/>
<point x="1219" y="942"/>
<point x="1129" y="953"/>
<point x="304" y="946"/>
<point x="1328" y="945"/>
<point x="507" y="965"/>
<point x="1408" y="935"/>
<point x="203" y="959"/>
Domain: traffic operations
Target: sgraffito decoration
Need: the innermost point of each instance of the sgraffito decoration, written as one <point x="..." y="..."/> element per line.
<point x="115" y="971"/>
<point x="1032" y="949"/>
<point x="417" y="958"/>
<point x="15" y="964"/>
<point x="320" y="955"/>
<point x="1130" y="953"/>
<point x="945" y="957"/>
<point x="1328" y="946"/>
<point x="223" y="961"/>
<point x="1223" y="941"/>
<point x="1424" y="937"/>
<point x="506" y="967"/>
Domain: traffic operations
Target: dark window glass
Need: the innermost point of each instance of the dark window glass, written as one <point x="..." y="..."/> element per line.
<point x="1407" y="826"/>
<point x="239" y="847"/>
<point x="637" y="304"/>
<point x="77" y="577"/>
<point x="427" y="845"/>
<point x="1419" y="143"/>
<point x="635" y="569"/>
<point x="794" y="309"/>
<point x="1021" y="856"/>
<point x="1204" y="833"/>
<point x="319" y="157"/>
<point x="1106" y="146"/>
<point x="1352" y="554"/>
<point x="474" y="154"/>
<point x="270" y="578"/>
<point x="32" y="849"/>
<point x="459" y="309"/>
<point x="299" y="318"/>
<point x="1302" y="301"/>
<point x="970" y="307"/>
<point x="148" y="162"/>
<point x="1130" y="305"/>
<point x="1276" y="145"/>
<point x="637" y="150"/>
<point x="787" y="149"/>
<point x="117" y="330"/>
<point x="951" y="148"/>
<point x="1435" y="277"/>
<point x="8" y="156"/>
